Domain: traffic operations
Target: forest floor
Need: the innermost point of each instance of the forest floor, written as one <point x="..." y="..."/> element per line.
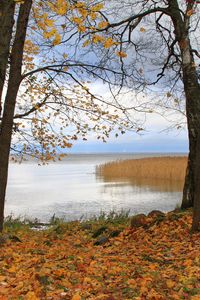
<point x="102" y="260"/>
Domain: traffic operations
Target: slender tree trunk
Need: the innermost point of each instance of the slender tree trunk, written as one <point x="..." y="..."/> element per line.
<point x="10" y="100"/>
<point x="7" y="8"/>
<point x="196" y="209"/>
<point x="188" y="189"/>
<point x="192" y="94"/>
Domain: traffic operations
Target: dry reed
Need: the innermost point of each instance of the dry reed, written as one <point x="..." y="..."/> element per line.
<point x="161" y="168"/>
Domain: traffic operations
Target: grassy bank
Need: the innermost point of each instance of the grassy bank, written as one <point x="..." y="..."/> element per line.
<point x="154" y="168"/>
<point x="157" y="261"/>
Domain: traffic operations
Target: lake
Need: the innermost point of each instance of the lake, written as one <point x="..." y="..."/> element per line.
<point x="71" y="189"/>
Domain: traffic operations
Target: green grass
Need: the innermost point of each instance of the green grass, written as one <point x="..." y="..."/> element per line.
<point x="14" y="224"/>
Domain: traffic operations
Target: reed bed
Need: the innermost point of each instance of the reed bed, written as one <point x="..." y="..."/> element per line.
<point x="160" y="168"/>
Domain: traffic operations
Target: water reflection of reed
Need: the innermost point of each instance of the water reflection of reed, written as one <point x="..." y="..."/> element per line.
<point x="159" y="184"/>
<point x="152" y="184"/>
<point x="159" y="173"/>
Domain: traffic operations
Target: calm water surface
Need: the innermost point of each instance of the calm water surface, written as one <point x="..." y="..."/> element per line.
<point x="70" y="189"/>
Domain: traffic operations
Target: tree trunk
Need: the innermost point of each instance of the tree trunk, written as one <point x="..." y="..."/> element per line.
<point x="196" y="209"/>
<point x="10" y="100"/>
<point x="7" y="8"/>
<point x="188" y="189"/>
<point x="192" y="94"/>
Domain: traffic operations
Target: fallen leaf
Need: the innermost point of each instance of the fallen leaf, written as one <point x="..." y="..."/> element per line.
<point x="76" y="297"/>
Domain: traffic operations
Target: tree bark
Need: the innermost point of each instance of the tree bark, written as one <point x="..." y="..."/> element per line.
<point x="192" y="94"/>
<point x="7" y="8"/>
<point x="10" y="100"/>
<point x="196" y="209"/>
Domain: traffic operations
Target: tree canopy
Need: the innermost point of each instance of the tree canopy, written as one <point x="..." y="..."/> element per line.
<point x="54" y="104"/>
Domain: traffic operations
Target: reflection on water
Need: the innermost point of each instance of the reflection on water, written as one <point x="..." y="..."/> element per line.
<point x="70" y="189"/>
<point x="151" y="184"/>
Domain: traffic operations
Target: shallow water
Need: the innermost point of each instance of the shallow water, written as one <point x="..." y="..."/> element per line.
<point x="71" y="189"/>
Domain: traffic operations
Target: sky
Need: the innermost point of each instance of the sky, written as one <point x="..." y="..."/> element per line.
<point x="152" y="142"/>
<point x="155" y="138"/>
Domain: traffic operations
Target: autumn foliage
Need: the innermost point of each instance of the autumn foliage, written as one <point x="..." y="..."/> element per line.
<point x="160" y="260"/>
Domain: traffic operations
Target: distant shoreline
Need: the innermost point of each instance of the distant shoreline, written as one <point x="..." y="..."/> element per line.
<point x="103" y="154"/>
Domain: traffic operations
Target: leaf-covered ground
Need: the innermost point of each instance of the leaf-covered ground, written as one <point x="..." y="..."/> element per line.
<point x="160" y="261"/>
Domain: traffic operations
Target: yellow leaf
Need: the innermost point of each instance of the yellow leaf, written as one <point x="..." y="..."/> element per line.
<point x="49" y="22"/>
<point x="121" y="54"/>
<point x="97" y="39"/>
<point x="132" y="283"/>
<point x="93" y="16"/>
<point x="57" y="39"/>
<point x="103" y="24"/>
<point x="77" y="20"/>
<point x="83" y="12"/>
<point x="81" y="28"/>
<point x="2" y="278"/>
<point x="65" y="282"/>
<point x="62" y="7"/>
<point x="190" y="12"/>
<point x="152" y="267"/>
<point x="177" y="297"/>
<point x="46" y="35"/>
<point x="41" y="25"/>
<point x="188" y="262"/>
<point x="80" y="5"/>
<point x="170" y="283"/>
<point x="97" y="7"/>
<point x="66" y="144"/>
<point x="31" y="296"/>
<point x="87" y="280"/>
<point x="12" y="269"/>
<point x="142" y="29"/>
<point x="143" y="289"/>
<point x="76" y="297"/>
<point x="86" y="43"/>
<point x="109" y="43"/>
<point x="20" y="285"/>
